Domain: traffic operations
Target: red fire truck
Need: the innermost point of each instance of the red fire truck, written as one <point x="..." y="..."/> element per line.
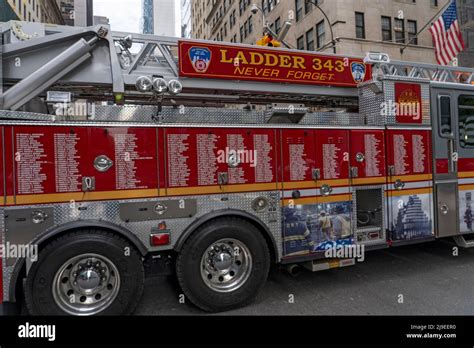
<point x="124" y="156"/>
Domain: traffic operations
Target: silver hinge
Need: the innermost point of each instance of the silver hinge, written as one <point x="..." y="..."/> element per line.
<point x="316" y="174"/>
<point x="223" y="178"/>
<point x="354" y="172"/>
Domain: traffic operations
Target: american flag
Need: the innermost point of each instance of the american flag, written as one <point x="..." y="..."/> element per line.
<point x="447" y="36"/>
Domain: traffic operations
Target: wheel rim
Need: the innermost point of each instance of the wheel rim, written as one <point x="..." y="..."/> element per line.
<point x="226" y="265"/>
<point x="86" y="284"/>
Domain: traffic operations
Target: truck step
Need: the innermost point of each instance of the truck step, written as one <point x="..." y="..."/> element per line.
<point x="322" y="265"/>
<point x="462" y="242"/>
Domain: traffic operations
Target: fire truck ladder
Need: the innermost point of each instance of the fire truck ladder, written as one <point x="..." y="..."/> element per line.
<point x="98" y="65"/>
<point x="434" y="73"/>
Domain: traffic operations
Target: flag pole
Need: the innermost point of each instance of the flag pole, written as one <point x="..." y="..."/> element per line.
<point x="402" y="49"/>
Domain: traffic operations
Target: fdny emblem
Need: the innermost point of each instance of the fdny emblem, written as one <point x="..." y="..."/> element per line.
<point x="200" y="58"/>
<point x="358" y="72"/>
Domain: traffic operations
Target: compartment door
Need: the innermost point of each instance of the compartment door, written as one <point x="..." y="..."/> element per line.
<point x="368" y="180"/>
<point x="446" y="162"/>
<point x="299" y="171"/>
<point x="122" y="163"/>
<point x="410" y="186"/>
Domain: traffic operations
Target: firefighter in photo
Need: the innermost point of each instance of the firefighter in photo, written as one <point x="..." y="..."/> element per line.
<point x="326" y="225"/>
<point x="341" y="224"/>
<point x="468" y="218"/>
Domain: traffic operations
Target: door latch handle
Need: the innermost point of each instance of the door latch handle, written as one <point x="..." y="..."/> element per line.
<point x="444" y="209"/>
<point x="399" y="185"/>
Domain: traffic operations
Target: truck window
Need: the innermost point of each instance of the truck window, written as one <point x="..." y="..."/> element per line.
<point x="445" y="116"/>
<point x="466" y="121"/>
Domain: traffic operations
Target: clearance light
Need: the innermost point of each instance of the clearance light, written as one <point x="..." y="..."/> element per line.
<point x="159" y="239"/>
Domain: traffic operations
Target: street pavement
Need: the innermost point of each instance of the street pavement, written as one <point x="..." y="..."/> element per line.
<point x="430" y="280"/>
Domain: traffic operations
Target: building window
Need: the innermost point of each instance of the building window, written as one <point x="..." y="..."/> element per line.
<point x="277" y="25"/>
<point x="265" y="6"/>
<point x="412" y="31"/>
<point x="434" y="3"/>
<point x="232" y="19"/>
<point x="307" y="6"/>
<point x="300" y="43"/>
<point x="299" y="9"/>
<point x="250" y="24"/>
<point x="360" y="25"/>
<point x="246" y="29"/>
<point x="310" y="40"/>
<point x="399" y="30"/>
<point x="320" y="34"/>
<point x="466" y="121"/>
<point x="386" y="29"/>
<point x="242" y="34"/>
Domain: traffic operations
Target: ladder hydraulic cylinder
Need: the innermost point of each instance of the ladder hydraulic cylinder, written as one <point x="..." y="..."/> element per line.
<point x="30" y="87"/>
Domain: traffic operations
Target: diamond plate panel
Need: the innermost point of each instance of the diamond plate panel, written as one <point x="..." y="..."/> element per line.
<point x="373" y="94"/>
<point x="333" y="119"/>
<point x="108" y="211"/>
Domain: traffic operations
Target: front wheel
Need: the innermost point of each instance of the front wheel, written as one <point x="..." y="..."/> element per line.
<point x="223" y="265"/>
<point x="88" y="272"/>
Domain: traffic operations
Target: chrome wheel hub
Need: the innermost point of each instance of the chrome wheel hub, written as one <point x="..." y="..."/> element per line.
<point x="226" y="265"/>
<point x="86" y="284"/>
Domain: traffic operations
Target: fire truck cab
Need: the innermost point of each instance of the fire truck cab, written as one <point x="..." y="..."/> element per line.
<point x="126" y="155"/>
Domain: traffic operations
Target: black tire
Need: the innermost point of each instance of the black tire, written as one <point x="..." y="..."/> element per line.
<point x="188" y="264"/>
<point x="38" y="288"/>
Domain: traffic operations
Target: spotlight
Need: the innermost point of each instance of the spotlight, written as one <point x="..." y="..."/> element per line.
<point x="160" y="85"/>
<point x="144" y="84"/>
<point x="175" y="87"/>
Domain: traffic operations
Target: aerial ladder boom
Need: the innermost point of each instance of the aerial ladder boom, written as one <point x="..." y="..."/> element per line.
<point x="99" y="65"/>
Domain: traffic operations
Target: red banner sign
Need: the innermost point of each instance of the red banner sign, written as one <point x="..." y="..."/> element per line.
<point x="220" y="61"/>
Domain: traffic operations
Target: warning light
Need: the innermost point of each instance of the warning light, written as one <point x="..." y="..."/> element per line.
<point x="268" y="41"/>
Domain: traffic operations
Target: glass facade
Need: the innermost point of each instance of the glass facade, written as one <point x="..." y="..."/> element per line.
<point x="147" y="18"/>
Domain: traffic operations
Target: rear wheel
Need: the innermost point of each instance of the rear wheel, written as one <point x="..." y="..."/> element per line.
<point x="88" y="272"/>
<point x="223" y="265"/>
